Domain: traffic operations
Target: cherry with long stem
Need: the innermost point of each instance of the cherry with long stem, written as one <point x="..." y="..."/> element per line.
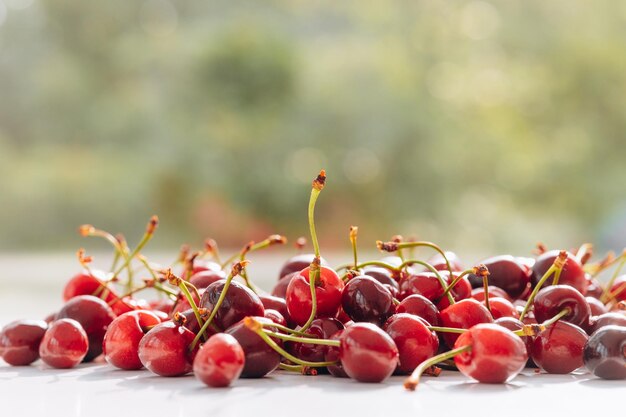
<point x="556" y="268"/>
<point x="179" y="282"/>
<point x="354" y="231"/>
<point x="412" y="381"/>
<point x="87" y="230"/>
<point x="396" y="246"/>
<point x="252" y="247"/>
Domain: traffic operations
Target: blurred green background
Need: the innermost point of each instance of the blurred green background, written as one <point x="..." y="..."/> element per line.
<point x="485" y="126"/>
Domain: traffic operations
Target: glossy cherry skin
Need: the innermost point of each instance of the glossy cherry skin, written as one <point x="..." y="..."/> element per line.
<point x="275" y="316"/>
<point x="278" y="304"/>
<point x="501" y="307"/>
<point x="421" y="306"/>
<point x="415" y="342"/>
<point x="332" y="355"/>
<point x="19" y="341"/>
<point x="127" y="304"/>
<point x="514" y="324"/>
<point x="439" y="263"/>
<point x="596" y="306"/>
<point x="85" y="283"/>
<point x="381" y="275"/>
<point x="297" y="263"/>
<point x="497" y="354"/>
<point x="365" y="299"/>
<point x="164" y="350"/>
<point x="239" y="302"/>
<point x="182" y="304"/>
<point x="572" y="274"/>
<point x="461" y="290"/>
<point x="559" y="348"/>
<point x="551" y="300"/>
<point x="64" y="345"/>
<point x="94" y="315"/>
<point x="507" y="273"/>
<point x="121" y="341"/>
<point x="594" y="288"/>
<point x="322" y="328"/>
<point x="367" y="353"/>
<point x="605" y="353"/>
<point x="200" y="265"/>
<point x="606" y="319"/>
<point x="260" y="359"/>
<point x="219" y="361"/>
<point x="618" y="289"/>
<point x="463" y="315"/>
<point x="205" y="278"/>
<point x="424" y="283"/>
<point x="328" y="293"/>
<point x="280" y="289"/>
<point x="479" y="293"/>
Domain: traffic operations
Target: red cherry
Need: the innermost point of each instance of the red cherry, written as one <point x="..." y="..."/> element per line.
<point x="572" y="274"/>
<point x="559" y="348"/>
<point x="85" y="283"/>
<point x="381" y="275"/>
<point x="127" y="304"/>
<point x="479" y="293"/>
<point x="551" y="300"/>
<point x="19" y="341"/>
<point x="280" y="289"/>
<point x="219" y="361"/>
<point x="463" y="315"/>
<point x="415" y="342"/>
<point x="367" y="353"/>
<point x="238" y="303"/>
<point x="606" y="319"/>
<point x="421" y="306"/>
<point x="94" y="315"/>
<point x="328" y="295"/>
<point x="439" y="263"/>
<point x="203" y="279"/>
<point x="332" y="355"/>
<point x="596" y="306"/>
<point x="64" y="345"/>
<point x="461" y="290"/>
<point x="275" y="316"/>
<point x="297" y="263"/>
<point x="497" y="354"/>
<point x="164" y="350"/>
<point x="423" y="283"/>
<point x="365" y="299"/>
<point x="507" y="273"/>
<point x="260" y="358"/>
<point x="182" y="303"/>
<point x="605" y="353"/>
<point x="278" y="304"/>
<point x="121" y="341"/>
<point x="501" y="307"/>
<point x="618" y="289"/>
<point x="322" y="328"/>
<point x="200" y="265"/>
<point x="514" y="325"/>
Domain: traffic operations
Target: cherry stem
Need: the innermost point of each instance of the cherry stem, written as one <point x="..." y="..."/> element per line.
<point x="557" y="266"/>
<point x="210" y="247"/>
<point x="179" y="282"/>
<point x="556" y="318"/>
<point x="286" y="329"/>
<point x="236" y="270"/>
<point x="394" y="246"/>
<point x="584" y="253"/>
<point x="251" y="247"/>
<point x="605" y="297"/>
<point x="307" y="340"/>
<point x="304" y="370"/>
<point x="458" y="278"/>
<point x="354" y="230"/>
<point x="446" y="329"/>
<point x="411" y="382"/>
<point x="87" y="230"/>
<point x="256" y="327"/>
<point x="152" y="225"/>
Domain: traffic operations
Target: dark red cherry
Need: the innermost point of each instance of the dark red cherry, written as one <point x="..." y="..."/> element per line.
<point x="505" y="272"/>
<point x="297" y="263"/>
<point x="278" y="304"/>
<point x="606" y="319"/>
<point x="121" y="341"/>
<point x="367" y="353"/>
<point x="497" y="354"/>
<point x="64" y="345"/>
<point x="207" y="277"/>
<point x="424" y="283"/>
<point x="463" y="315"/>
<point x="280" y="289"/>
<point x="513" y="325"/>
<point x="85" y="283"/>
<point x="572" y="274"/>
<point x="328" y="294"/>
<point x="381" y="275"/>
<point x="479" y="293"/>
<point x="366" y="299"/>
<point x="182" y="304"/>
<point x="322" y="328"/>
<point x="200" y="265"/>
<point x="164" y="350"/>
<point x="332" y="355"/>
<point x="421" y="306"/>
<point x="415" y="342"/>
<point x="190" y="321"/>
<point x="19" y="341"/>
<point x="618" y="289"/>
<point x="594" y="288"/>
<point x="559" y="348"/>
<point x="260" y="359"/>
<point x="501" y="307"/>
<point x="219" y="361"/>
<point x="461" y="290"/>
<point x="94" y="315"/>
<point x="605" y="353"/>
<point x="439" y="263"/>
<point x="275" y="316"/>
<point x="596" y="306"/>
<point x="551" y="300"/>
<point x="239" y="302"/>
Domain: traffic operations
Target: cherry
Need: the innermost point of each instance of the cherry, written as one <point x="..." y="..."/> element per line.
<point x="366" y="299"/>
<point x="381" y="275"/>
<point x="278" y="304"/>
<point x="201" y="265"/>
<point x="618" y="289"/>
<point x="182" y="303"/>
<point x="164" y="350"/>
<point x="332" y="355"/>
<point x="501" y="307"/>
<point x="321" y="328"/>
<point x="328" y="295"/>
<point x="606" y="319"/>
<point x="238" y="303"/>
<point x="572" y="274"/>
<point x="605" y="353"/>
<point x="94" y="315"/>
<point x="555" y="298"/>
<point x="86" y="283"/>
<point x="127" y="304"/>
<point x="478" y="293"/>
<point x="219" y="361"/>
<point x="439" y="263"/>
<point x="415" y="342"/>
<point x="275" y="316"/>
<point x="496" y="355"/>
<point x="260" y="358"/>
<point x="559" y="348"/>
<point x="423" y="283"/>
<point x="165" y="305"/>
<point x="514" y="324"/>
<point x="421" y="306"/>
<point x="594" y="288"/>
<point x="297" y="263"/>
<point x="461" y="290"/>
<point x="280" y="289"/>
<point x="121" y="341"/>
<point x="367" y="353"/>
<point x="505" y="272"/>
<point x="19" y="341"/>
<point x="596" y="306"/>
<point x="203" y="279"/>
<point x="64" y="345"/>
<point x="463" y="315"/>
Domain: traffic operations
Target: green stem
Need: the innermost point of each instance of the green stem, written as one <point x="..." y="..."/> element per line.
<point x="267" y="339"/>
<point x="556" y="318"/>
<point x="309" y="340"/>
<point x="447" y="329"/>
<point x="192" y="303"/>
<point x="285" y="329"/>
<point x="556" y="266"/>
<point x="605" y="294"/>
<point x="411" y="382"/>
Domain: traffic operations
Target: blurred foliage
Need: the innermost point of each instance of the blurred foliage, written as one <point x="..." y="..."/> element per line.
<point x="486" y="126"/>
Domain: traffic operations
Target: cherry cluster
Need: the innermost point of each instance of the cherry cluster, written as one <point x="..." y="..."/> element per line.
<point x="362" y="320"/>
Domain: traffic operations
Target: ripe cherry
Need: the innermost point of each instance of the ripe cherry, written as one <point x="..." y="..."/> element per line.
<point x="121" y="341"/>
<point x="501" y="307"/>
<point x="322" y="328"/>
<point x="439" y="263"/>
<point x="618" y="289"/>
<point x="605" y="353"/>
<point x="606" y="319"/>
<point x="94" y="315"/>
<point x="238" y="303"/>
<point x="164" y="350"/>
<point x="479" y="293"/>
<point x="463" y="315"/>
<point x="332" y="355"/>
<point x="278" y="304"/>
<point x="260" y="359"/>
<point x="423" y="283"/>
<point x="381" y="275"/>
<point x="219" y="361"/>
<point x="19" y="341"/>
<point x="421" y="306"/>
<point x="64" y="345"/>
<point x="559" y="348"/>
<point x="461" y="290"/>
<point x="365" y="299"/>
<point x="514" y="324"/>
<point x="297" y="263"/>
<point x="415" y="342"/>
<point x="367" y="353"/>
<point x="86" y="283"/>
<point x="203" y="279"/>
<point x="275" y="316"/>
<point x="507" y="273"/>
<point x="572" y="274"/>
<point x="280" y="289"/>
<point x="328" y="294"/>
<point x="555" y="298"/>
<point x="596" y="306"/>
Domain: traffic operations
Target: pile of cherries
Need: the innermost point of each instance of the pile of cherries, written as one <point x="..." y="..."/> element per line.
<point x="362" y="320"/>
